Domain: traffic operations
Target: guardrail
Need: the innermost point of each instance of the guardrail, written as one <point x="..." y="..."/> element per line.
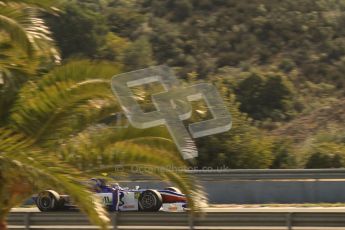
<point x="163" y="221"/>
<point x="259" y="174"/>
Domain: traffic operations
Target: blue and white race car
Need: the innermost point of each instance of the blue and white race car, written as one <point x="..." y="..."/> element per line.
<point x="116" y="198"/>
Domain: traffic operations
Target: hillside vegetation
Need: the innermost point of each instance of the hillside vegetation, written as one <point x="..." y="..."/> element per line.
<point x="279" y="64"/>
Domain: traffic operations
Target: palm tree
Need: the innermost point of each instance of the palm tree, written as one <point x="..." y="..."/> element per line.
<point x="25" y="41"/>
<point x="52" y="139"/>
<point x="49" y="135"/>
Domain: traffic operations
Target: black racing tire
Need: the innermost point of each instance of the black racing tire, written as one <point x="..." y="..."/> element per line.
<point x="150" y="201"/>
<point x="174" y="189"/>
<point x="48" y="200"/>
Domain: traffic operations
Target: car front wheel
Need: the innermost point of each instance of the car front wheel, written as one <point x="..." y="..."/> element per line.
<point x="150" y="201"/>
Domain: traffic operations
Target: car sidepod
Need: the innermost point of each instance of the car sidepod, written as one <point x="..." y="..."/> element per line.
<point x="128" y="200"/>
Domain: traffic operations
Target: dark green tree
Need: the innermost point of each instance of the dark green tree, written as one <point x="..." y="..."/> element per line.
<point x="78" y="31"/>
<point x="265" y="96"/>
<point x="138" y="55"/>
<point x="283" y="152"/>
<point x="244" y="146"/>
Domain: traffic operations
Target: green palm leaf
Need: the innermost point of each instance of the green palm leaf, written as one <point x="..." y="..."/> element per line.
<point x="10" y="140"/>
<point x="44" y="106"/>
<point x="16" y="31"/>
<point x="38" y="177"/>
<point x="44" y="4"/>
<point x="27" y="29"/>
<point x="25" y="36"/>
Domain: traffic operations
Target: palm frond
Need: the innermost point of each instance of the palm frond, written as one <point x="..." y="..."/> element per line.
<point x="54" y="105"/>
<point x="16" y="31"/>
<point x="77" y="71"/>
<point x="97" y="139"/>
<point x="155" y="142"/>
<point x="40" y="177"/>
<point x="43" y="4"/>
<point x="10" y="140"/>
<point x="42" y="107"/>
<point x="83" y="116"/>
<point x="15" y="70"/>
<point x="111" y="134"/>
<point x="14" y="62"/>
<point x="87" y="155"/>
<point x="26" y="28"/>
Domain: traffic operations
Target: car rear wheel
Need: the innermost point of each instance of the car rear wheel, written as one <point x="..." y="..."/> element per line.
<point x="150" y="201"/>
<point x="48" y="200"/>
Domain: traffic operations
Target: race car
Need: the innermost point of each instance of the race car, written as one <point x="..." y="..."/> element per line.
<point x="116" y="198"/>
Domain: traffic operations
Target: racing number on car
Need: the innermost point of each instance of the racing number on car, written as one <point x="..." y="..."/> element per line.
<point x="106" y="200"/>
